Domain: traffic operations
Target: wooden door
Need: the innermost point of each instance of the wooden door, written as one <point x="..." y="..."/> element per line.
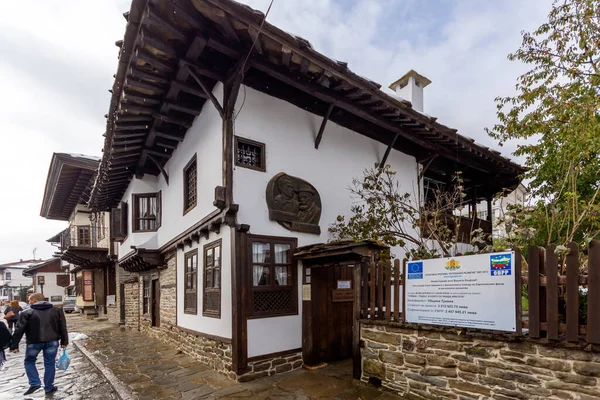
<point x="332" y="296"/>
<point x="155" y="303"/>
<point x="122" y="302"/>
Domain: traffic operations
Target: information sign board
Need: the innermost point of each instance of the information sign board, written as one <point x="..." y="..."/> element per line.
<point x="471" y="291"/>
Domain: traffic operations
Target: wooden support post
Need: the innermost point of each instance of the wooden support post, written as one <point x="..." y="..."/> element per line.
<point x="379" y="289"/>
<point x="490" y="217"/>
<point x="208" y="93"/>
<point x="573" y="293"/>
<point x="593" y="300"/>
<point x="239" y="342"/>
<point x="552" y="292"/>
<point x="387" y="279"/>
<point x="372" y="279"/>
<point x="533" y="289"/>
<point x="387" y="151"/>
<point x="518" y="297"/>
<point x="231" y="89"/>
<point x="356" y="362"/>
<point x="404" y="262"/>
<point x="396" y="290"/>
<point x="322" y="128"/>
<point x="160" y="168"/>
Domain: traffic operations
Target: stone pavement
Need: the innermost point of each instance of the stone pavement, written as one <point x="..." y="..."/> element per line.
<point x="152" y="370"/>
<point x="80" y="382"/>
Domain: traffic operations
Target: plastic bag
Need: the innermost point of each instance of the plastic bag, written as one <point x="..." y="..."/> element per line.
<point x="63" y="361"/>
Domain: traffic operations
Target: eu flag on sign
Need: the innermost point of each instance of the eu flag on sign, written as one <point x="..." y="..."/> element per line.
<point x="415" y="270"/>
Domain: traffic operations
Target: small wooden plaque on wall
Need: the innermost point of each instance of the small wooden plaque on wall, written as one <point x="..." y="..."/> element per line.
<point x="342" y="295"/>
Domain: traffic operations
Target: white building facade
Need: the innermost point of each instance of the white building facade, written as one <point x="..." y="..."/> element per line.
<point x="214" y="189"/>
<point x="12" y="280"/>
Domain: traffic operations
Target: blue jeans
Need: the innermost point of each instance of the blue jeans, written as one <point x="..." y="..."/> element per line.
<point x="50" y="350"/>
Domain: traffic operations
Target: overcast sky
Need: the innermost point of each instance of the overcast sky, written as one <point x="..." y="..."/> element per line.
<point x="57" y="58"/>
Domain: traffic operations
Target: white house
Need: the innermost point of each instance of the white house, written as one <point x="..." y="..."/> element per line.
<point x="231" y="144"/>
<point x="84" y="245"/>
<point x="50" y="279"/>
<point x="12" y="279"/>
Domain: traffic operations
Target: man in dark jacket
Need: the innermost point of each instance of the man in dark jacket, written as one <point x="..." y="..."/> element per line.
<point x="44" y="326"/>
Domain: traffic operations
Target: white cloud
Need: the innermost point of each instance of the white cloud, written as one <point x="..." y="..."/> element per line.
<point x="58" y="58"/>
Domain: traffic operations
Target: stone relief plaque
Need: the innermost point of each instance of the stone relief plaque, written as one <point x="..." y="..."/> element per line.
<point x="294" y="203"/>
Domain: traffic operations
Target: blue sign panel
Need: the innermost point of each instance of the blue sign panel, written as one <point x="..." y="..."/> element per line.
<point x="501" y="264"/>
<point x="414" y="270"/>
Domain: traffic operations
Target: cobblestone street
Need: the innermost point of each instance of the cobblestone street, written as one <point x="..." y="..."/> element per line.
<point x="151" y="370"/>
<point x="81" y="381"/>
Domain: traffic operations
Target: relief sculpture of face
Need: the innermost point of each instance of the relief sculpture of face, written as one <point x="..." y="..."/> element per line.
<point x="305" y="199"/>
<point x="286" y="186"/>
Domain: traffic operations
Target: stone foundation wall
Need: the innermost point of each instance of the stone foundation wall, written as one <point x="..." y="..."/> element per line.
<point x="132" y="304"/>
<point x="421" y="363"/>
<point x="114" y="312"/>
<point x="212" y="352"/>
<point x="276" y="365"/>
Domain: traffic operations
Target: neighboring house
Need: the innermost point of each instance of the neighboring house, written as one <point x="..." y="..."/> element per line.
<point x="49" y="279"/>
<point x="225" y="151"/>
<point x="499" y="207"/>
<point x="12" y="279"/>
<point x="85" y="244"/>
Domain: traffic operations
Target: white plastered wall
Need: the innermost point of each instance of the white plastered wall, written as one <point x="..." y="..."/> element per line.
<point x="289" y="135"/>
<point x="213" y="326"/>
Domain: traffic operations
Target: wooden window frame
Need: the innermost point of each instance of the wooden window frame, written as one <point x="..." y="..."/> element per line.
<point x="208" y="247"/>
<point x="293" y="287"/>
<point x="135" y="211"/>
<point x="146" y="296"/>
<point x="187" y="309"/>
<point x="8" y="276"/>
<point x="263" y="157"/>
<point x="187" y="206"/>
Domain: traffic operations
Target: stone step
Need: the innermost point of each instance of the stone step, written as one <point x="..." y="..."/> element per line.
<point x="101" y="319"/>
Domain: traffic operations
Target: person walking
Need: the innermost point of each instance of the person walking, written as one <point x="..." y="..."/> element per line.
<point x="44" y="326"/>
<point x="5" y="337"/>
<point x="11" y="314"/>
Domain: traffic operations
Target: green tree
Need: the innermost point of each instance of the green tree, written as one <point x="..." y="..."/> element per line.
<point x="386" y="213"/>
<point x="555" y="118"/>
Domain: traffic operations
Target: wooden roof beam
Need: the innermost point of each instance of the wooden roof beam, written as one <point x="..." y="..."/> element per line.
<point x="208" y="93"/>
<point x="341" y="102"/>
<point x="146" y="76"/>
<point x="255" y="36"/>
<point x="169" y="136"/>
<point x="173" y="120"/>
<point x="225" y="26"/>
<point x="154" y="61"/>
<point x="322" y="128"/>
<point x="146" y="38"/>
<point x="160" y="168"/>
<point x="153" y="19"/>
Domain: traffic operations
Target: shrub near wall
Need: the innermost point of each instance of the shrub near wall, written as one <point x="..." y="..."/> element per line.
<point x="437" y="363"/>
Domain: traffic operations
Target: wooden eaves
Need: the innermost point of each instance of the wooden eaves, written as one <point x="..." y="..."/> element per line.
<point x="175" y="51"/>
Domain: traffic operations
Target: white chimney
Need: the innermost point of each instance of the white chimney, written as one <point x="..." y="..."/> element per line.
<point x="410" y="87"/>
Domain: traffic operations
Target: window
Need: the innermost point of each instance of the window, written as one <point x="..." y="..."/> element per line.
<point x="190" y="185"/>
<point x="190" y="301"/>
<point x="249" y="154"/>
<point x="146" y="293"/>
<point x="83" y="236"/>
<point x="212" y="280"/>
<point x="146" y="212"/>
<point x="8" y="276"/>
<point x="274" y="289"/>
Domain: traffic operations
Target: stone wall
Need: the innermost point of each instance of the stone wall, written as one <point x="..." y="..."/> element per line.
<point x="213" y="352"/>
<point x="421" y="363"/>
<point x="114" y="312"/>
<point x="132" y="304"/>
<point x="267" y="367"/>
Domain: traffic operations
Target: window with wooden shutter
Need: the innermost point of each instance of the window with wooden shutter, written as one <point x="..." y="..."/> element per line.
<point x="145" y="212"/>
<point x="118" y="223"/>
<point x="273" y="277"/>
<point x="190" y="301"/>
<point x="190" y="185"/>
<point x="211" y="304"/>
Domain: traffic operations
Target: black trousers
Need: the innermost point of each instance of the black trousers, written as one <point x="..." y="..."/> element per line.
<point x="11" y="324"/>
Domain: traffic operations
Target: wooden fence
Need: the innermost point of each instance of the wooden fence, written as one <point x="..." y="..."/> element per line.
<point x="553" y="285"/>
